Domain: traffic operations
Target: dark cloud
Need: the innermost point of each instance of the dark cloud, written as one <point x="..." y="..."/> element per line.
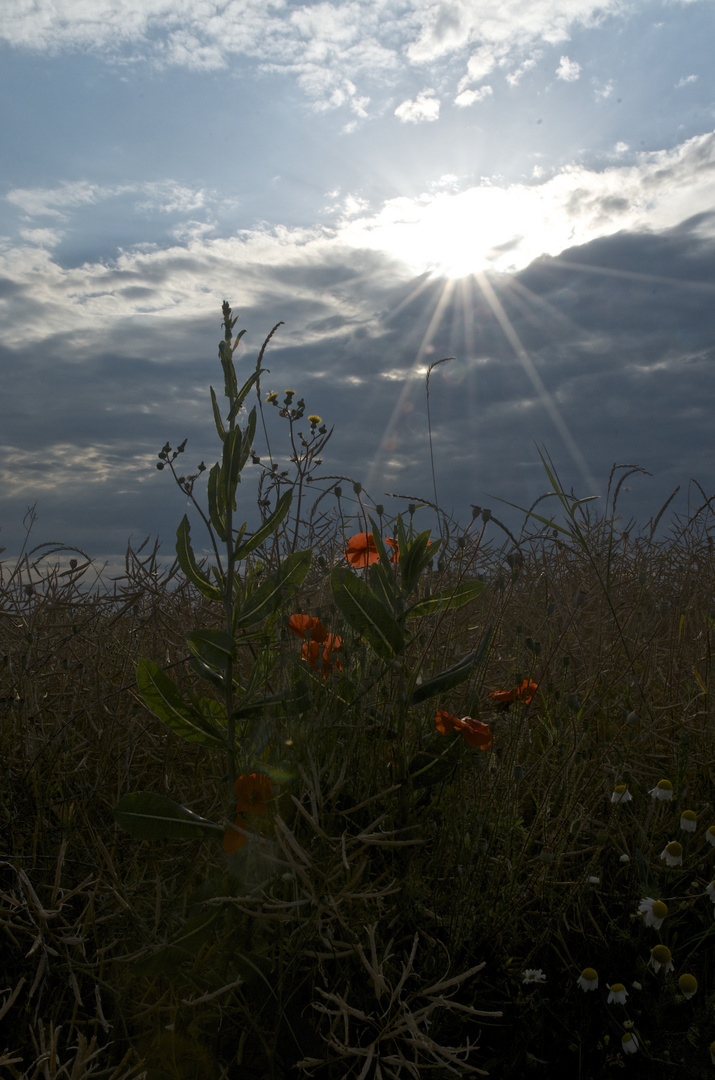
<point x="618" y="345"/>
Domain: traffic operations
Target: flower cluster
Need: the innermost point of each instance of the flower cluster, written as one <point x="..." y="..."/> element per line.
<point x="320" y="645"/>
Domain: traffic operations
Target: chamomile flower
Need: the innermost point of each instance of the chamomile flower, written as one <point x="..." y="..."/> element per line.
<point x="672" y="853"/>
<point x="588" y="979"/>
<point x="629" y="1043"/>
<point x="660" y="957"/>
<point x="653" y="911"/>
<point x="663" y="791"/>
<point x="710" y="890"/>
<point x="710" y="835"/>
<point x="688" y="985"/>
<point x="533" y="975"/>
<point x="621" y="794"/>
<point x="618" y="993"/>
<point x="688" y="820"/>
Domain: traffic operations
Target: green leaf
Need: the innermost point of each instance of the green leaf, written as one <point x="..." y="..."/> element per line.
<point x="247" y="441"/>
<point x="245" y="390"/>
<point x="214" y="648"/>
<point x="419" y="554"/>
<point x="365" y="612"/>
<point x="229" y="370"/>
<point x="165" y="700"/>
<point x="187" y="562"/>
<point x="444" y="680"/>
<point x="148" y="816"/>
<point x="217" y="502"/>
<point x="384" y="587"/>
<point x="268" y="527"/>
<point x="446" y="599"/>
<point x="277" y="587"/>
<point x="217" y="416"/>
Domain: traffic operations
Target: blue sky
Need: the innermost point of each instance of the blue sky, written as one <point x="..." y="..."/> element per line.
<point x="528" y="186"/>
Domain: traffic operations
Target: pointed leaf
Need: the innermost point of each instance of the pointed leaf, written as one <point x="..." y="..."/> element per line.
<point x="268" y="527"/>
<point x="148" y="816"/>
<point x="217" y="416"/>
<point x="446" y="599"/>
<point x="187" y="562"/>
<point x="419" y="554"/>
<point x="364" y="611"/>
<point x="165" y="700"/>
<point x="212" y="647"/>
<point x="444" y="680"/>
<point x="274" y="590"/>
<point x="217" y="502"/>
<point x="245" y="390"/>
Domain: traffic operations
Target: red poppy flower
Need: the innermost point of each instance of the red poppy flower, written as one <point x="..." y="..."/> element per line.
<point x="474" y="731"/>
<point x="395" y="557"/>
<point x="361" y="550"/>
<point x="252" y="791"/>
<point x="318" y="654"/>
<point x="302" y="625"/>
<point x="524" y="693"/>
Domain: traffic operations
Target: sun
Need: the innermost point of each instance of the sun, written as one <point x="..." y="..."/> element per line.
<point x="483" y="228"/>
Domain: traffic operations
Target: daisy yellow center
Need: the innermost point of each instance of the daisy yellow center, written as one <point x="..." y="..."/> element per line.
<point x="661" y="953"/>
<point x="688" y="983"/>
<point x="617" y="988"/>
<point x="619" y="789"/>
<point x="674" y="848"/>
<point x="689" y="815"/>
<point x="664" y="785"/>
<point x="589" y="974"/>
<point x="660" y="910"/>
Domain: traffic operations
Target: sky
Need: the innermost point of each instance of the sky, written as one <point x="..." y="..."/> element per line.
<point x="527" y="186"/>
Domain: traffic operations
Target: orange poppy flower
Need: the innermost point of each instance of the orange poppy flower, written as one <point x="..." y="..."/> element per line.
<point x="474" y="731"/>
<point x="302" y="625"/>
<point x="311" y="651"/>
<point x="252" y="791"/>
<point x="361" y="550"/>
<point x="524" y="693"/>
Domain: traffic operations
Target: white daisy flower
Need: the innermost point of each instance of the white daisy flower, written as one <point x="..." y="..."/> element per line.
<point x="660" y="956"/>
<point x="533" y="975"/>
<point x="588" y="979"/>
<point x="621" y="794"/>
<point x="618" y="993"/>
<point x="653" y="911"/>
<point x="629" y="1043"/>
<point x="672" y="853"/>
<point x="688" y="985"/>
<point x="662" y="791"/>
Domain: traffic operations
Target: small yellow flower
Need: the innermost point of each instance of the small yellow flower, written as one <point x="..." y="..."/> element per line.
<point x="663" y="791"/>
<point x="710" y="835"/>
<point x="672" y="853"/>
<point x="272" y="396"/>
<point x="688" y="985"/>
<point x="588" y="979"/>
<point x="688" y="820"/>
<point x="315" y="420"/>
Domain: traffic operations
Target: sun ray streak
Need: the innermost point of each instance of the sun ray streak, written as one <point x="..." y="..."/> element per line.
<point x="528" y="365"/>
<point x="408" y="383"/>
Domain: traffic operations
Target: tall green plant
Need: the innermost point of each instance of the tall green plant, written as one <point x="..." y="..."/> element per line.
<point x="233" y="716"/>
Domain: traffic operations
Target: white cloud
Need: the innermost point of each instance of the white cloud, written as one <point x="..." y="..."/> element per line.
<point x="503" y="227"/>
<point x="568" y="70"/>
<point x="333" y="49"/>
<point x="685" y="81"/>
<point x="425" y="107"/>
<point x="605" y="91"/>
<point x="470" y="97"/>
